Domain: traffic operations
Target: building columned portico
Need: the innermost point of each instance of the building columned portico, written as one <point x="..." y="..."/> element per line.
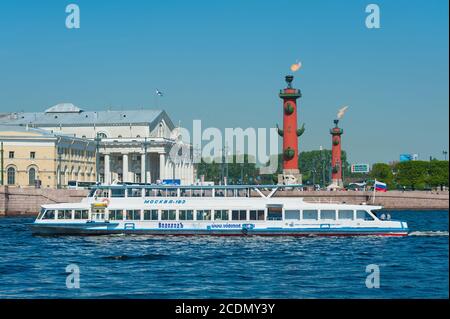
<point x="141" y="161"/>
<point x="132" y="145"/>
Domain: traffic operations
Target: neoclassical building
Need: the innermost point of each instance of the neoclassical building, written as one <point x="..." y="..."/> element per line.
<point x="34" y="157"/>
<point x="133" y="145"/>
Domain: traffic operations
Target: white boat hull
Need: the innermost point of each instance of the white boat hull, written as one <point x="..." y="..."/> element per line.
<point x="392" y="228"/>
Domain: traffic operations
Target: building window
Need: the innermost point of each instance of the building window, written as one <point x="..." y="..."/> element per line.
<point x="11" y="154"/>
<point x="32" y="176"/>
<point x="32" y="155"/>
<point x="11" y="172"/>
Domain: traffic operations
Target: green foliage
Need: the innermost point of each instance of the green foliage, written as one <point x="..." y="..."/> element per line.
<point x="383" y="173"/>
<point x="438" y="173"/>
<point x="315" y="167"/>
<point x="245" y="173"/>
<point x="421" y="174"/>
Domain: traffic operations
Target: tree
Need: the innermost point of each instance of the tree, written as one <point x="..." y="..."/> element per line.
<point x="412" y="174"/>
<point x="437" y="173"/>
<point x="238" y="173"/>
<point x="383" y="173"/>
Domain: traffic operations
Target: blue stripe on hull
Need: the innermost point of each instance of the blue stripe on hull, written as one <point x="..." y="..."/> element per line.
<point x="83" y="229"/>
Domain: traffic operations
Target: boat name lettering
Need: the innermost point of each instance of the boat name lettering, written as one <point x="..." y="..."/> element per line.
<point x="170" y="225"/>
<point x="226" y="226"/>
<point x="164" y="201"/>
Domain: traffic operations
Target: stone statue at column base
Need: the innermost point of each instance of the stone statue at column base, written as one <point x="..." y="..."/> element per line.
<point x="290" y="177"/>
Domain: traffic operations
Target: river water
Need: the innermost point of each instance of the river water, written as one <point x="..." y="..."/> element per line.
<point x="120" y="266"/>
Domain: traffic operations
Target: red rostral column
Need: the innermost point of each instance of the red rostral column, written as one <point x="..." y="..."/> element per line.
<point x="336" y="162"/>
<point x="290" y="133"/>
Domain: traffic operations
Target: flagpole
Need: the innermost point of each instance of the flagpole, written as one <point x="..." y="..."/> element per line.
<point x="374" y="190"/>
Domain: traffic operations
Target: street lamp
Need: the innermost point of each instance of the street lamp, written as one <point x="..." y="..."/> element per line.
<point x="97" y="158"/>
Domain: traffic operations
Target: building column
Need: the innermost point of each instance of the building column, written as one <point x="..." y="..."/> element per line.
<point x="162" y="166"/>
<point x="107" y="170"/>
<point x="143" y="168"/>
<point x="190" y="178"/>
<point x="125" y="177"/>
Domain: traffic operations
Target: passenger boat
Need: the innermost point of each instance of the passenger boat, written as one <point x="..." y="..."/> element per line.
<point x="263" y="210"/>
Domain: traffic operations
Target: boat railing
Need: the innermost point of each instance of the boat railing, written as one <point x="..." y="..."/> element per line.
<point x="151" y="190"/>
<point x="324" y="201"/>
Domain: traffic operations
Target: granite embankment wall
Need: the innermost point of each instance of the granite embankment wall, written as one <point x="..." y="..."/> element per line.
<point x="394" y="200"/>
<point x="26" y="201"/>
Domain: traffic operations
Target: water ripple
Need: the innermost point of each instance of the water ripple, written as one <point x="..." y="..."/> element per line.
<point x="124" y="266"/>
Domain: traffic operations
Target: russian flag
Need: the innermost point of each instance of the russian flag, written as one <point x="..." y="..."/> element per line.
<point x="380" y="187"/>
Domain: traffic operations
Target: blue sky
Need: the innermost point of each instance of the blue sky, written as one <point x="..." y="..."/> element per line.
<point x="224" y="62"/>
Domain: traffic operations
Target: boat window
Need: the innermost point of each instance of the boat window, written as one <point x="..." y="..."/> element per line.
<point x="219" y="193"/>
<point x="171" y="192"/>
<point x="65" y="214"/>
<point x="363" y="215"/>
<point x="186" y="215"/>
<point x="257" y="214"/>
<point x="242" y="193"/>
<point x="168" y="214"/>
<point x="274" y="213"/>
<point x="203" y="215"/>
<point x="229" y="192"/>
<point x="207" y="193"/>
<point x="117" y="192"/>
<point x="151" y="214"/>
<point x="183" y="192"/>
<point x="292" y="214"/>
<point x="116" y="214"/>
<point x="328" y="214"/>
<point x="196" y="192"/>
<point x="345" y="214"/>
<point x="102" y="193"/>
<point x="310" y="214"/>
<point x="49" y="214"/>
<point x="239" y="215"/>
<point x="221" y="214"/>
<point x="92" y="192"/>
<point x="41" y="213"/>
<point x="81" y="214"/>
<point x="134" y="192"/>
<point x="133" y="214"/>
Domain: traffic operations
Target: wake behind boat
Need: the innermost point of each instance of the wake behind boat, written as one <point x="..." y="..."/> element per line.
<point x="209" y="210"/>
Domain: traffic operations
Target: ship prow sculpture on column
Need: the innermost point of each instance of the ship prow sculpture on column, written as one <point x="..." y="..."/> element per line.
<point x="290" y="133"/>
